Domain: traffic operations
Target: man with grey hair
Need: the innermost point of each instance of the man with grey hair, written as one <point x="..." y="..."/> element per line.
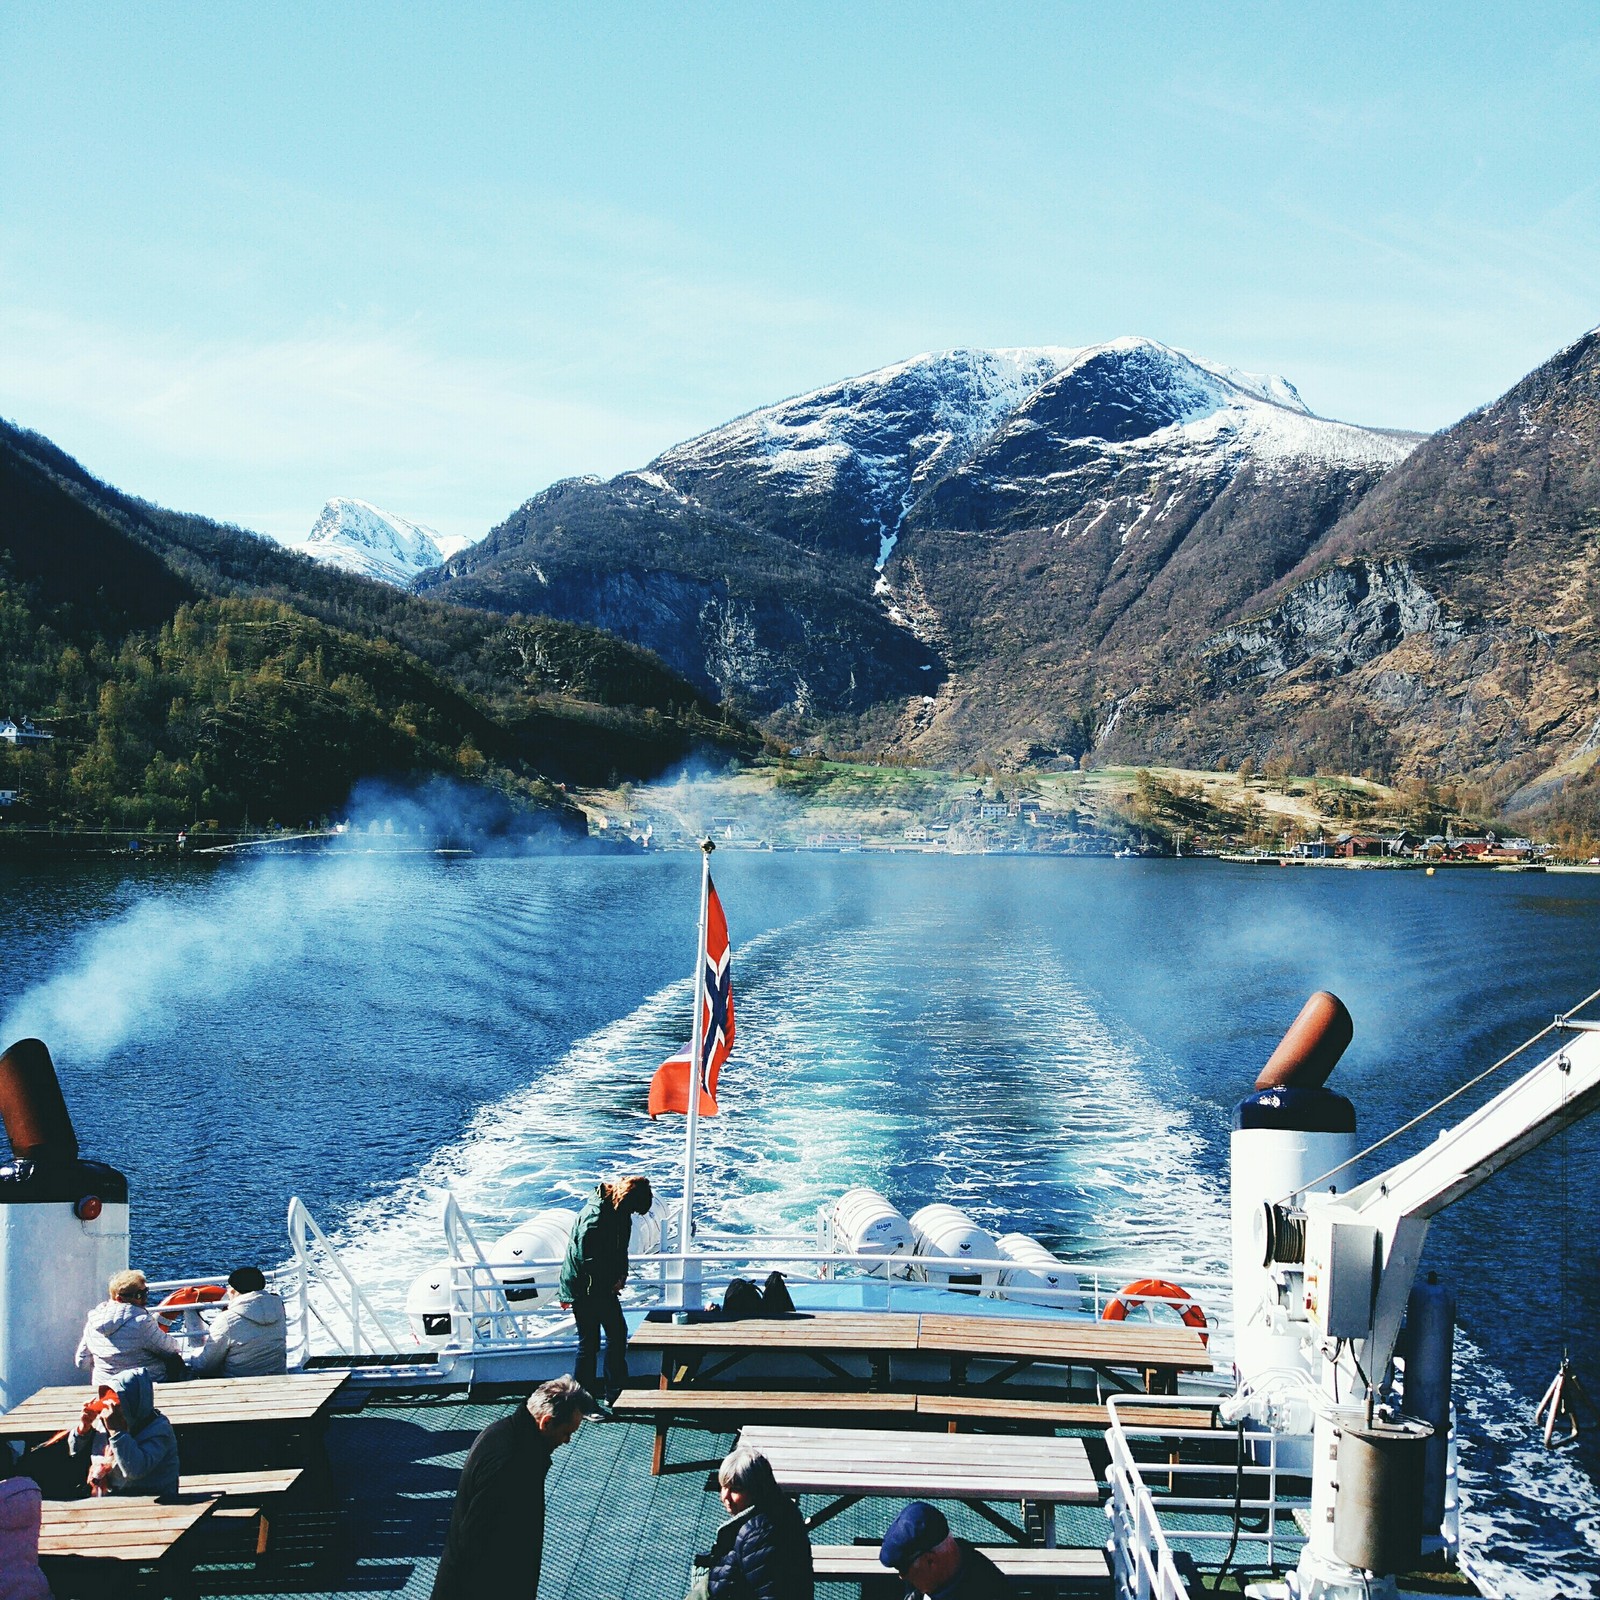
<point x="496" y="1537"/>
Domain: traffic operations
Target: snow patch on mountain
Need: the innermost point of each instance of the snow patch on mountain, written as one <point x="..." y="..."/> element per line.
<point x="359" y="537"/>
<point x="881" y="439"/>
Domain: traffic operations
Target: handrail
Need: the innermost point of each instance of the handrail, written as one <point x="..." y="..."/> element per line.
<point x="304" y="1234"/>
<point x="1142" y="1560"/>
<point x="474" y="1300"/>
<point x="508" y="1326"/>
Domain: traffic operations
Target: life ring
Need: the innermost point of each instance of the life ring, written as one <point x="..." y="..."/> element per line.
<point x="1148" y="1289"/>
<point x="194" y="1294"/>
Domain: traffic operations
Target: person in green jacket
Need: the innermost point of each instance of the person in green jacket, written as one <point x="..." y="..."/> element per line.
<point x="592" y="1276"/>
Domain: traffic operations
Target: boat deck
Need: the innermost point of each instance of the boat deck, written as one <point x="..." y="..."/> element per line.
<point x="613" y="1531"/>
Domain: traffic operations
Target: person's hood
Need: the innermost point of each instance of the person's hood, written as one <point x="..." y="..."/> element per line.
<point x="138" y="1396"/>
<point x="110" y="1317"/>
<point x="15" y="1493"/>
<point x="263" y="1308"/>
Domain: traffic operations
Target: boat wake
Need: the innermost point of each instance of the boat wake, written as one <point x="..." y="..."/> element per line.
<point x="1529" y="1514"/>
<point x="1026" y="1106"/>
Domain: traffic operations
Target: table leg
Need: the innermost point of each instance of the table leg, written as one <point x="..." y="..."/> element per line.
<point x="1047" y="1520"/>
<point x="831" y="1510"/>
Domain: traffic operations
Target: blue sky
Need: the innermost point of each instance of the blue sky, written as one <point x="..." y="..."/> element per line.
<point x="438" y="256"/>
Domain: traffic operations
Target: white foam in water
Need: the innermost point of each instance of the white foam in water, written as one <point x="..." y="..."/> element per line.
<point x="1529" y="1513"/>
<point x="829" y="1087"/>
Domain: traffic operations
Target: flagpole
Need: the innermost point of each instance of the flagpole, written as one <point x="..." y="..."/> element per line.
<point x="696" y="1048"/>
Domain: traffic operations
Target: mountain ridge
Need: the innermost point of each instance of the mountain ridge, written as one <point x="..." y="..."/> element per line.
<point x="830" y="483"/>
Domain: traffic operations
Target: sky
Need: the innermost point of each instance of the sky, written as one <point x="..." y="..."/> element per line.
<point x="437" y="257"/>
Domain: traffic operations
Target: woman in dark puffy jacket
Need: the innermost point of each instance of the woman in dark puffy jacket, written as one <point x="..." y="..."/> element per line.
<point x="763" y="1552"/>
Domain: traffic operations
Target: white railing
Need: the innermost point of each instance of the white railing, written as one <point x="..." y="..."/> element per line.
<point x="328" y="1295"/>
<point x="1143" y="1563"/>
<point x="477" y="1297"/>
<point x="483" y="1320"/>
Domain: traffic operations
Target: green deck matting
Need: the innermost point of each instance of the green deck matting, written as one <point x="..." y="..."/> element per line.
<point x="613" y="1532"/>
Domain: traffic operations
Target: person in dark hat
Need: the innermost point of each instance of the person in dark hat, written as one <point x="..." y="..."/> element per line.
<point x="921" y="1548"/>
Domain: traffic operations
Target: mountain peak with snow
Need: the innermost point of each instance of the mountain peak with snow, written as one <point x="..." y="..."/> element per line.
<point x="880" y="441"/>
<point x="357" y="536"/>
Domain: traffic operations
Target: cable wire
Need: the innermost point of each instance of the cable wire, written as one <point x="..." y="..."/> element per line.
<point x="1439" y="1105"/>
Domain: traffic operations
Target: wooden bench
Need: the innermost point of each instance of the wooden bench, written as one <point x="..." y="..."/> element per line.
<point x="666" y="1404"/>
<point x="959" y="1408"/>
<point x="1014" y="1561"/>
<point x="243" y="1496"/>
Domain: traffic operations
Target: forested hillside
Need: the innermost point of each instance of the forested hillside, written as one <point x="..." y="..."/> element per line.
<point x="189" y="671"/>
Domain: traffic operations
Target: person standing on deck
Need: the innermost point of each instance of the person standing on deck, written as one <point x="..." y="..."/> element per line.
<point x="496" y="1537"/>
<point x="593" y="1274"/>
<point x="920" y="1547"/>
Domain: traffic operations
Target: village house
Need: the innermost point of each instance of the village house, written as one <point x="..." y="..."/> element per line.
<point x="20" y="730"/>
<point x="1351" y="845"/>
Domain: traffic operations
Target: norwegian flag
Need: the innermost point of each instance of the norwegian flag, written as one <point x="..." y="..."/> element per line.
<point x="669" y="1088"/>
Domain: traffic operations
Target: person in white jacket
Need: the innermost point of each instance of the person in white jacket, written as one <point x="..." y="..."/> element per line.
<point x="121" y="1335"/>
<point x="251" y="1337"/>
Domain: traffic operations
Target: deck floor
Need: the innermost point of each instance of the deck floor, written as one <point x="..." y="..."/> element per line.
<point x="613" y="1532"/>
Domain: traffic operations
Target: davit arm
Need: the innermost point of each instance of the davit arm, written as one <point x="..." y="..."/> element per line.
<point x="1362" y="1248"/>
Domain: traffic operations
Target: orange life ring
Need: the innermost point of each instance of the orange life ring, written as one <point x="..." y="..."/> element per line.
<point x="195" y="1294"/>
<point x="1148" y="1289"/>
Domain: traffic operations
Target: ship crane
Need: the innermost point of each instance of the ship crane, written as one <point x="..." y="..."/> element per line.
<point x="1337" y="1269"/>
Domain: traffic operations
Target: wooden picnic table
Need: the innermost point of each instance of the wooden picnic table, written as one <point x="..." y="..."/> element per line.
<point x="817" y="1335"/>
<point x="284" y="1400"/>
<point x="856" y="1463"/>
<point x="1160" y="1353"/>
<point x="136" y="1529"/>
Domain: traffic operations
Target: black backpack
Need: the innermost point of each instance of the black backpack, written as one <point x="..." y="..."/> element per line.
<point x="775" y="1298"/>
<point x="743" y="1299"/>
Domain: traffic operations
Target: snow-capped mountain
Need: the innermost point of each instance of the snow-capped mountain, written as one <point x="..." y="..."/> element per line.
<point x="981" y="516"/>
<point x="871" y="446"/>
<point x="362" y="538"/>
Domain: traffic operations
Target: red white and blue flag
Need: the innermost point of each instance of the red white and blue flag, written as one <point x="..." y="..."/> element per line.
<point x="669" y="1088"/>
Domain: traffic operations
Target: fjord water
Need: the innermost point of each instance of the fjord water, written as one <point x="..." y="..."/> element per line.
<point x="1055" y="1045"/>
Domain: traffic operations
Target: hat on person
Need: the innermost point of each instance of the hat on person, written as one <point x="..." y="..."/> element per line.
<point x="917" y="1530"/>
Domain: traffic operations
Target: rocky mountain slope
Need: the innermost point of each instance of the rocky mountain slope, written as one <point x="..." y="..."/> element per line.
<point x="931" y="536"/>
<point x="358" y="537"/>
<point x="1451" y="619"/>
<point x="1118" y="553"/>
